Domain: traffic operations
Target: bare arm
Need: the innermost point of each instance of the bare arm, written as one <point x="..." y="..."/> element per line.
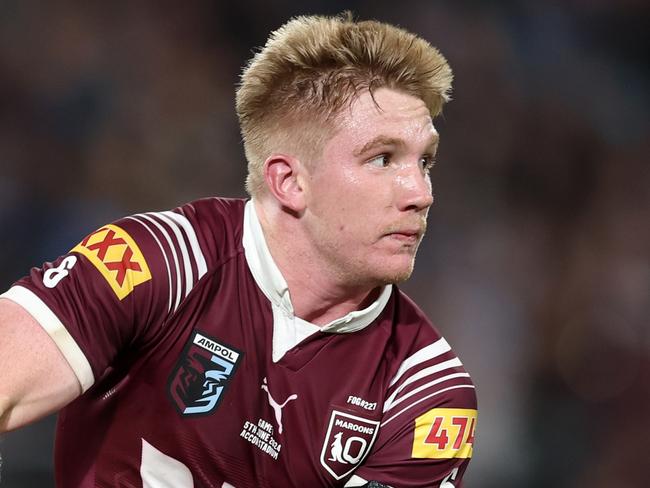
<point x="35" y="378"/>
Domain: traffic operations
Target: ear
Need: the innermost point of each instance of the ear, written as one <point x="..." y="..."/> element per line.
<point x="284" y="179"/>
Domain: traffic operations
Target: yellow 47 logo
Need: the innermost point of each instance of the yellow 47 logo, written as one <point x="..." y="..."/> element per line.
<point x="444" y="433"/>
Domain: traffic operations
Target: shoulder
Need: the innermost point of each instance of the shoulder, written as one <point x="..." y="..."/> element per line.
<point x="207" y="230"/>
<point x="218" y="221"/>
<point x="425" y="370"/>
<point x="408" y="326"/>
<point x="214" y="210"/>
<point x="162" y="253"/>
<point x="429" y="410"/>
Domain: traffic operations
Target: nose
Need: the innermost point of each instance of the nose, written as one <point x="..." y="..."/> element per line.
<point x="414" y="189"/>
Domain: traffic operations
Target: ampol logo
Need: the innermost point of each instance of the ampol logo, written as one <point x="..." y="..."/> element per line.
<point x="347" y="442"/>
<point x="202" y="375"/>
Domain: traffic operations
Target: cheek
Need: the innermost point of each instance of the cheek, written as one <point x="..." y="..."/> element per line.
<point x="350" y="177"/>
<point x="360" y="227"/>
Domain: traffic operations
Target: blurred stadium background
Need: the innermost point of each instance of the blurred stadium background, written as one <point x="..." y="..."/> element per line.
<point x="536" y="266"/>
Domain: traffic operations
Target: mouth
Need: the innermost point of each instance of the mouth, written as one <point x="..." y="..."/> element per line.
<point x="406" y="236"/>
<point x="407" y="233"/>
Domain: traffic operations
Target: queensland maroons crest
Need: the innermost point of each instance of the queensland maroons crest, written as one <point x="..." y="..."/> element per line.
<point x="202" y="374"/>
<point x="347" y="441"/>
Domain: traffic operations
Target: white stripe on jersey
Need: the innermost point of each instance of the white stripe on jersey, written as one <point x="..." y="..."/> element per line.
<point x="391" y="402"/>
<point x="168" y="221"/>
<point x="422" y="400"/>
<point x="436" y="368"/>
<point x="162" y="251"/>
<point x="173" y="249"/>
<point x="197" y="254"/>
<point x="158" y="470"/>
<point x="429" y="352"/>
<point x="355" y="481"/>
<point x="189" y="276"/>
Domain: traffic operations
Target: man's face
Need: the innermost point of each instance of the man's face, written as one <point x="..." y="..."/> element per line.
<point x="369" y="192"/>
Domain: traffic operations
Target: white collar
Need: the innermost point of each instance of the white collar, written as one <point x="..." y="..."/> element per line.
<point x="268" y="277"/>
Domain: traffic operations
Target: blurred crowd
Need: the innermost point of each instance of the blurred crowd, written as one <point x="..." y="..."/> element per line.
<point x="536" y="265"/>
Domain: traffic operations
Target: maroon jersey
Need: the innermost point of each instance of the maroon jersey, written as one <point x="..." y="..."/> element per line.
<point x="196" y="373"/>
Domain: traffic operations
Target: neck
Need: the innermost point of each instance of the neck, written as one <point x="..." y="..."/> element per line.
<point x="317" y="295"/>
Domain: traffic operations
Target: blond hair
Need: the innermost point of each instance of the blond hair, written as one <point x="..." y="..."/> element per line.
<point x="312" y="67"/>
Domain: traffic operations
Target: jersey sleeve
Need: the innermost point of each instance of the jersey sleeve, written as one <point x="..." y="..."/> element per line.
<point x="115" y="289"/>
<point x="426" y="434"/>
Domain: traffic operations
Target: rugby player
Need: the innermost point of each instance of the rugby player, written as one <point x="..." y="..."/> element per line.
<point x="262" y="342"/>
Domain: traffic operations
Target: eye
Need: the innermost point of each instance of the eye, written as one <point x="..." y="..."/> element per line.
<point x="381" y="161"/>
<point x="427" y="162"/>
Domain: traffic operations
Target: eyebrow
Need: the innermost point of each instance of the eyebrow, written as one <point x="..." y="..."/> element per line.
<point x="380" y="141"/>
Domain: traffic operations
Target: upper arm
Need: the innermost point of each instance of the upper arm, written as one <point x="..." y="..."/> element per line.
<point x="426" y="435"/>
<point x="36" y="378"/>
<point x="432" y="450"/>
<point x="66" y="323"/>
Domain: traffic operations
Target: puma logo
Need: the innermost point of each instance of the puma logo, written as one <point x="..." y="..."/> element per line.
<point x="277" y="407"/>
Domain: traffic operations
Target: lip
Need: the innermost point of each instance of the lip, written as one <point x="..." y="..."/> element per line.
<point x="407" y="236"/>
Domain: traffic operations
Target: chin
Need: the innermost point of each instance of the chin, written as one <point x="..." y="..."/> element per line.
<point x="400" y="277"/>
<point x="398" y="274"/>
<point x="380" y="271"/>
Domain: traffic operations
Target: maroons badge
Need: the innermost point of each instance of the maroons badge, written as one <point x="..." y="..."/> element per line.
<point x="347" y="442"/>
<point x="202" y="375"/>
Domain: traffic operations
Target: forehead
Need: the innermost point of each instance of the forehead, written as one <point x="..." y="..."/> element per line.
<point x="386" y="113"/>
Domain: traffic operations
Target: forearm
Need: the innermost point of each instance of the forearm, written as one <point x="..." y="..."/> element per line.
<point x="36" y="378"/>
<point x="20" y="411"/>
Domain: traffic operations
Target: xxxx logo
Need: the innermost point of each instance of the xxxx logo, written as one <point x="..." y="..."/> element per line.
<point x="117" y="257"/>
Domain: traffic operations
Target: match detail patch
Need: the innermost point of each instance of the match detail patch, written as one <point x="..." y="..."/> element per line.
<point x="445" y="433"/>
<point x="117" y="257"/>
